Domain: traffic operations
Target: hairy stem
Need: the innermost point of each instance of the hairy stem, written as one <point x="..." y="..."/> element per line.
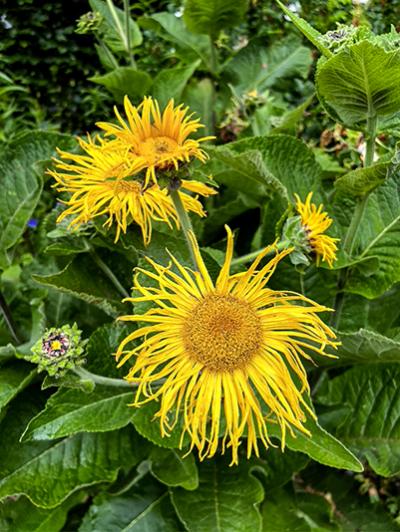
<point x="107" y="271"/>
<point x="104" y="381"/>
<point x="127" y="12"/>
<point x="184" y="221"/>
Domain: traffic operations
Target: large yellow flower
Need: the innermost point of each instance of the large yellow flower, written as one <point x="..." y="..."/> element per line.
<point x="229" y="352"/>
<point x="105" y="181"/>
<point x="160" y="140"/>
<point x="315" y="223"/>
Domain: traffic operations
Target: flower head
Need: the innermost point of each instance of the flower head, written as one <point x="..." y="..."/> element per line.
<point x="315" y="223"/>
<point x="160" y="140"/>
<point x="104" y="181"/>
<point x="229" y="349"/>
<point x="59" y="349"/>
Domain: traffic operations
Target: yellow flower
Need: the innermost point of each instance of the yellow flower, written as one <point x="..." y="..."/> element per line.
<point x="105" y="181"/>
<point x="160" y="140"/>
<point x="315" y="223"/>
<point x="229" y="352"/>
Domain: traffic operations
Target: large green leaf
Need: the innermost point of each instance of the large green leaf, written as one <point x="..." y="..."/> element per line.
<point x="20" y="183"/>
<point x="321" y="446"/>
<point x="170" y="83"/>
<point x="379" y="237"/>
<point x="203" y="16"/>
<point x="172" y="468"/>
<point x="256" y="67"/>
<point x="145" y="508"/>
<point x="71" y="411"/>
<point x="171" y="28"/>
<point x="371" y="428"/>
<point x="109" y="27"/>
<point x="199" y="95"/>
<point x="14" y="377"/>
<point x="365" y="346"/>
<point x="82" y="279"/>
<point x="284" y="511"/>
<point x="22" y="516"/>
<point x="148" y="427"/>
<point x="125" y="81"/>
<point x="287" y="159"/>
<point x="360" y="82"/>
<point x="363" y="180"/>
<point x="278" y="467"/>
<point x="225" y="500"/>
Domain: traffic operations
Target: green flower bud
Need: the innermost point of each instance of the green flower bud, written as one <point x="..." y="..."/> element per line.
<point x="89" y="22"/>
<point x="296" y="234"/>
<point x="58" y="350"/>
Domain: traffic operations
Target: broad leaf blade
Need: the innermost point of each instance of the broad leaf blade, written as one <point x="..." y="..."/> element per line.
<point x="203" y="16"/>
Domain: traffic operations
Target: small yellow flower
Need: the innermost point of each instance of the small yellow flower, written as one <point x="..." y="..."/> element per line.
<point x="229" y="352"/>
<point x="160" y="140"/>
<point x="104" y="181"/>
<point x="315" y="223"/>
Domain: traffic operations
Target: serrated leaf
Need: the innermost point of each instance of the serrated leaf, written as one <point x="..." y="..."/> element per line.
<point x="172" y="468"/>
<point x="225" y="500"/>
<point x="366" y="347"/>
<point x="125" y="81"/>
<point x="48" y="472"/>
<point x="170" y="83"/>
<point x="14" y="377"/>
<point x="363" y="180"/>
<point x="70" y="411"/>
<point x="145" y="508"/>
<point x="149" y="428"/>
<point x="314" y="36"/>
<point x="359" y="82"/>
<point x="21" y="185"/>
<point x="256" y="67"/>
<point x="288" y="160"/>
<point x="82" y="279"/>
<point x="203" y="16"/>
<point x="379" y="237"/>
<point x="371" y="429"/>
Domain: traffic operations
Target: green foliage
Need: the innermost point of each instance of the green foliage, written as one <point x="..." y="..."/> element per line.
<point x="202" y="16"/>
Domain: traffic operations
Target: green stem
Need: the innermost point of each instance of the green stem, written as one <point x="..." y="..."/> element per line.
<point x="5" y="310"/>
<point x="184" y="221"/>
<point x="106" y="270"/>
<point x="107" y="52"/>
<point x="254" y="254"/>
<point x="128" y="33"/>
<point x="104" y="381"/>
<point x="350" y="239"/>
<point x="124" y="35"/>
<point x="213" y="56"/>
<point x="302" y="287"/>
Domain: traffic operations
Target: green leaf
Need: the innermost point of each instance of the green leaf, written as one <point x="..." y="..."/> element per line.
<point x="109" y="29"/>
<point x="314" y="36"/>
<point x="125" y="81"/>
<point x="48" y="472"/>
<point x="256" y="67"/>
<point x="371" y="429"/>
<point x="172" y="468"/>
<point x="70" y="411"/>
<point x="277" y="467"/>
<point x="171" y="28"/>
<point x="22" y="516"/>
<point x="287" y="159"/>
<point x="145" y="508"/>
<point x="363" y="180"/>
<point x="203" y="16"/>
<point x="149" y="428"/>
<point x="21" y="185"/>
<point x="358" y="82"/>
<point x="14" y="377"/>
<point x="170" y="83"/>
<point x="284" y="511"/>
<point x="365" y="346"/>
<point x="225" y="500"/>
<point x="199" y="97"/>
<point x="379" y="237"/>
<point x="82" y="279"/>
<point x="321" y="446"/>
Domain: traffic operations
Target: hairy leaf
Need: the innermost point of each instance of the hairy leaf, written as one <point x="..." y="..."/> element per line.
<point x="172" y="468"/>
<point x="125" y="81"/>
<point x="202" y="16"/>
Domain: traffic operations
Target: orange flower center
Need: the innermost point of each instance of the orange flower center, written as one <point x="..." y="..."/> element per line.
<point x="222" y="332"/>
<point x="156" y="148"/>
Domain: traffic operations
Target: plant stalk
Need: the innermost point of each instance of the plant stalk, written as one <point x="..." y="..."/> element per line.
<point x="254" y="254"/>
<point x="128" y="33"/>
<point x="104" y="381"/>
<point x="5" y="310"/>
<point x="107" y="271"/>
<point x="185" y="222"/>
